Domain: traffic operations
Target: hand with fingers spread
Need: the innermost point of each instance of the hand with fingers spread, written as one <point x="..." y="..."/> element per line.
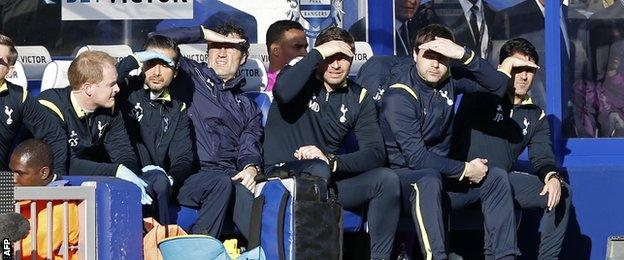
<point x="212" y="36"/>
<point x="333" y="47"/>
<point x="476" y="170"/>
<point x="553" y="189"/>
<point x="445" y="47"/>
<point x="512" y="62"/>
<point x="246" y="177"/>
<point x="310" y="152"/>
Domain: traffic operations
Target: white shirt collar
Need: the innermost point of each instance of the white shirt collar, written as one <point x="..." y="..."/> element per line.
<point x="541" y="7"/>
<point x="398" y="24"/>
<point x="154" y="96"/>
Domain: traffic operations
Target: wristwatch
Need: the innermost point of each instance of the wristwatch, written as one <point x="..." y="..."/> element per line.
<point x="332" y="160"/>
<point x="558" y="177"/>
<point x="254" y="166"/>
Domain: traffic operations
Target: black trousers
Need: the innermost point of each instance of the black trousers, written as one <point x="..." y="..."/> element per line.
<point x="159" y="189"/>
<point x="213" y="192"/>
<point x="429" y="197"/>
<point x="553" y="225"/>
<point x="376" y="189"/>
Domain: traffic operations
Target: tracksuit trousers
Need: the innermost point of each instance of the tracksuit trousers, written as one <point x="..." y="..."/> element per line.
<point x="429" y="197"/>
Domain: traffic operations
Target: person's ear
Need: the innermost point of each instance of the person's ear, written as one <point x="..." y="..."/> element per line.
<point x="11" y="69"/>
<point x="87" y="88"/>
<point x="243" y="59"/>
<point x="44" y="172"/>
<point x="275" y="49"/>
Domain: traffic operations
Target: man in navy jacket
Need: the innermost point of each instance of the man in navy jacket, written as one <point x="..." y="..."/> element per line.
<point x="315" y="107"/>
<point x="157" y="125"/>
<point x="227" y="128"/>
<point x="416" y="118"/>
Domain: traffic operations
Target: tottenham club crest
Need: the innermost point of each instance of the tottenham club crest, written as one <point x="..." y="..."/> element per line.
<point x="343" y="110"/>
<point x="525" y="129"/>
<point x="318" y="14"/>
<point x="8" y="111"/>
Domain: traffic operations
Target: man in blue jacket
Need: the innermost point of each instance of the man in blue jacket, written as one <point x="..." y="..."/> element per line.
<point x="227" y="128"/>
<point x="416" y="118"/>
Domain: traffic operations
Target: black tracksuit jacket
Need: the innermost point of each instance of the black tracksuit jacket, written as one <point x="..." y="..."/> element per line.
<point x="416" y="119"/>
<point x="98" y="142"/>
<point x="304" y="113"/>
<point x="488" y="126"/>
<point x="158" y="129"/>
<point x="19" y="109"/>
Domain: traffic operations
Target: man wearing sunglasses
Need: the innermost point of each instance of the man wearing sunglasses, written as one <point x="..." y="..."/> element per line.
<point x="227" y="128"/>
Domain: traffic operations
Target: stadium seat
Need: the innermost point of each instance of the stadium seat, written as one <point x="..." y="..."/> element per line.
<point x="194" y="51"/>
<point x="253" y="69"/>
<point x="255" y="75"/>
<point x="259" y="52"/>
<point x="18" y="77"/>
<point x="363" y="52"/>
<point x="34" y="59"/>
<point x="116" y="51"/>
<point x="263" y="100"/>
<point x="55" y="75"/>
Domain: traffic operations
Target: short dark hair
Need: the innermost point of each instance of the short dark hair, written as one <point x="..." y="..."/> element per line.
<point x="229" y="28"/>
<point x="334" y="33"/>
<point x="39" y="153"/>
<point x="6" y="41"/>
<point x="277" y="29"/>
<point x="429" y="32"/>
<point x="163" y="42"/>
<point x="518" y="45"/>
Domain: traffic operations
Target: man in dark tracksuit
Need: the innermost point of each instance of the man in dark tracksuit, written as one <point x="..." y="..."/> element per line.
<point x="227" y="128"/>
<point x="18" y="109"/>
<point x="315" y="107"/>
<point x="499" y="129"/>
<point x="157" y="125"/>
<point x="97" y="137"/>
<point x="416" y="120"/>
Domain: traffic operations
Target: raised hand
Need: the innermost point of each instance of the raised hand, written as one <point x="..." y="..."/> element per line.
<point x="445" y="47"/>
<point x="332" y="47"/>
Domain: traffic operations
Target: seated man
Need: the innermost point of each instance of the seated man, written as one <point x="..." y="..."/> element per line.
<point x="18" y="109"/>
<point x="157" y="125"/>
<point x="499" y="129"/>
<point x="285" y="41"/>
<point x="416" y="117"/>
<point x="97" y="137"/>
<point x="227" y="129"/>
<point x="315" y="107"/>
<point x="32" y="165"/>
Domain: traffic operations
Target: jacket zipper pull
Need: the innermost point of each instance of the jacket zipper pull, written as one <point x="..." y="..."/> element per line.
<point x="326" y="96"/>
